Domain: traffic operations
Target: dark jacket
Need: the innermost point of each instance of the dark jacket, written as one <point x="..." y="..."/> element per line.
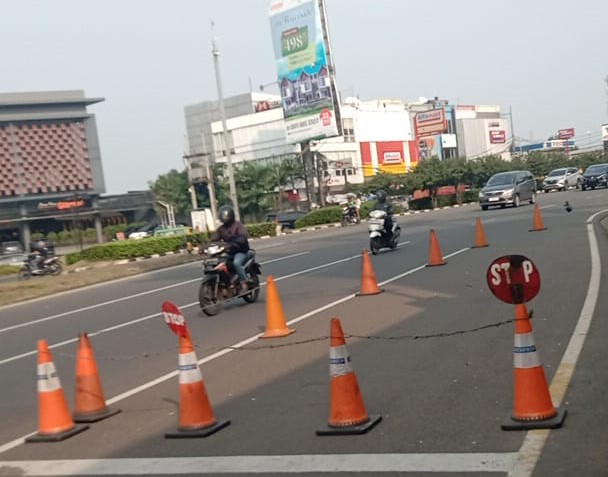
<point x="385" y="206"/>
<point x="234" y="234"/>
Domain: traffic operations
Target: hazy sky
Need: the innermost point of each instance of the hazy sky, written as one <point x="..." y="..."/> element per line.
<point x="149" y="58"/>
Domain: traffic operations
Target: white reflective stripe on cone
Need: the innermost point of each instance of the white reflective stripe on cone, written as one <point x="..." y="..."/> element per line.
<point x="189" y="372"/>
<point x="524" y="352"/>
<point x="48" y="380"/>
<point x="339" y="361"/>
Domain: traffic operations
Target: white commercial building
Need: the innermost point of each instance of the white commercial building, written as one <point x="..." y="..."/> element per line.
<point x="382" y="135"/>
<point x="482" y="131"/>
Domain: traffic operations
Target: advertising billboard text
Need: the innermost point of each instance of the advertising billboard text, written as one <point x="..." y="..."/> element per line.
<point x="305" y="75"/>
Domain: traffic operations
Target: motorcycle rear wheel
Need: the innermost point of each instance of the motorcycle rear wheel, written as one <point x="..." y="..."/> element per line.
<point x="210" y="299"/>
<point x="374" y="245"/>
<point x="254" y="293"/>
<point x="56" y="269"/>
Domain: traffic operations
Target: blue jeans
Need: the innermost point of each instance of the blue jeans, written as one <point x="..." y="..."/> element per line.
<point x="239" y="259"/>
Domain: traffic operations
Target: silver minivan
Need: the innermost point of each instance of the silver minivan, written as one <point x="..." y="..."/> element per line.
<point x="561" y="179"/>
<point x="508" y="188"/>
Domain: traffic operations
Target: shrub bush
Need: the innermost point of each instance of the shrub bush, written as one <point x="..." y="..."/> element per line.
<point x="325" y="215"/>
<point x="261" y="229"/>
<point x="471" y="195"/>
<point x="126" y="249"/>
<point x="9" y="269"/>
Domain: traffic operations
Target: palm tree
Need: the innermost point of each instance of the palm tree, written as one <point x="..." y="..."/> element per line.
<point x="255" y="197"/>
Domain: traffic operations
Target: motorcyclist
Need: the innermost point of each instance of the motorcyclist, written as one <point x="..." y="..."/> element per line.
<point x="41" y="253"/>
<point x="351" y="204"/>
<point x="382" y="203"/>
<point x="234" y="233"/>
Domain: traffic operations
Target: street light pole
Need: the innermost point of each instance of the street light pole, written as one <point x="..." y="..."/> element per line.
<point x="227" y="142"/>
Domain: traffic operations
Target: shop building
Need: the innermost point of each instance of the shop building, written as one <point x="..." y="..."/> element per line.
<point x="482" y="131"/>
<point x="50" y="162"/>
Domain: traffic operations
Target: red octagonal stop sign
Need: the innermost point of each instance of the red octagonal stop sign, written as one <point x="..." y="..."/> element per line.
<point x="513" y="279"/>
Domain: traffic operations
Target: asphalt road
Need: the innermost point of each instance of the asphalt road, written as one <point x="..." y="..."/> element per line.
<point x="432" y="354"/>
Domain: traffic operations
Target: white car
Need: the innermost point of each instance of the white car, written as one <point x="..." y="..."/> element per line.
<point x="561" y="179"/>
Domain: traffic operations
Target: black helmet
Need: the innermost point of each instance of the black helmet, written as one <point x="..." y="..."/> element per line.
<point x="226" y="214"/>
<point x="381" y="195"/>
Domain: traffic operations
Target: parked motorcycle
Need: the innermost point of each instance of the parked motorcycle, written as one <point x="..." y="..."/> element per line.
<point x="50" y="266"/>
<point x="349" y="216"/>
<point x="379" y="237"/>
<point x="220" y="283"/>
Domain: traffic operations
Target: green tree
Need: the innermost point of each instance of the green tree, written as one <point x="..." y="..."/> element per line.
<point x="254" y="190"/>
<point x="172" y="188"/>
<point x="283" y="174"/>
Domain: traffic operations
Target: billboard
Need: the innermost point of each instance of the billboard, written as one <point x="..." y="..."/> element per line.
<point x="304" y="70"/>
<point x="565" y="133"/>
<point x="429" y="123"/>
<point x="498" y="136"/>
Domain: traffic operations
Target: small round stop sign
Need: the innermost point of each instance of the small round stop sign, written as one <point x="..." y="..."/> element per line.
<point x="513" y="279"/>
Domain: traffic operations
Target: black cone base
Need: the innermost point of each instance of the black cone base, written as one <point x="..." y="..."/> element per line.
<point x="97" y="416"/>
<point x="553" y="423"/>
<point x="203" y="432"/>
<point x="59" y="436"/>
<point x="351" y="430"/>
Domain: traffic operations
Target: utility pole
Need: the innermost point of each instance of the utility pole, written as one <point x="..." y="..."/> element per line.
<point x="307" y="162"/>
<point x="227" y="140"/>
<point x="512" y="146"/>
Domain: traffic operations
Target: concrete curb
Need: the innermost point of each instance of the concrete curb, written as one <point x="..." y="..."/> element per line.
<point x="404" y="214"/>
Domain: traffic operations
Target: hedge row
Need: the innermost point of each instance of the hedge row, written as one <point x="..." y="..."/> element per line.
<point x="128" y="249"/>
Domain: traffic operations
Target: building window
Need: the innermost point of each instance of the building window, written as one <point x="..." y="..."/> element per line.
<point x="348" y="130"/>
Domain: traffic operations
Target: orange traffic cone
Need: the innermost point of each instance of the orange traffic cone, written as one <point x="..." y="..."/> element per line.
<point x="54" y="420"/>
<point x="532" y="408"/>
<point x="537" y="224"/>
<point x="347" y="413"/>
<point x="480" y="236"/>
<point x="435" y="257"/>
<point x="90" y="404"/>
<point x="369" y="285"/>
<point x="196" y="418"/>
<point x="275" y="318"/>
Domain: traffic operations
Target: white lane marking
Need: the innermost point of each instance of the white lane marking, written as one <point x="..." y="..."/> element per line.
<point x="154" y="315"/>
<point x="268" y="464"/>
<point x="325" y="265"/>
<point x="286" y="257"/>
<point x="172" y="374"/>
<point x="535" y="441"/>
<point x="124" y="298"/>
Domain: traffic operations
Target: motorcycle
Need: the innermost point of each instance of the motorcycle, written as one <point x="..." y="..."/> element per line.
<point x="378" y="236"/>
<point x="349" y="216"/>
<point x="50" y="266"/>
<point x="220" y="283"/>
